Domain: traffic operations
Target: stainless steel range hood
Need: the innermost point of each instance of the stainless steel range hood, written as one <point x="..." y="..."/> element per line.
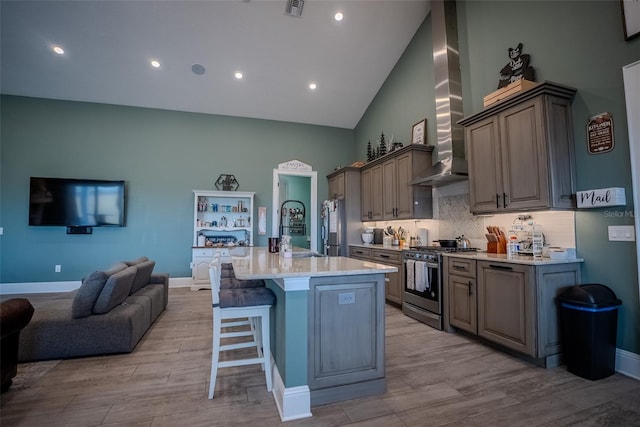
<point x="451" y="164"/>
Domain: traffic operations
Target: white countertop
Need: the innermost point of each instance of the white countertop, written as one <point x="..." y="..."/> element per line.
<point x="259" y="263"/>
<point x="378" y="246"/>
<point x="516" y="259"/>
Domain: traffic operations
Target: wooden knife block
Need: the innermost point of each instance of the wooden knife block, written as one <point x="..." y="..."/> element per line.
<point x="492" y="247"/>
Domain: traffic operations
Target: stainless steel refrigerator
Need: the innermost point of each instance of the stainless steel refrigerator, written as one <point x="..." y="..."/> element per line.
<point x="334" y="228"/>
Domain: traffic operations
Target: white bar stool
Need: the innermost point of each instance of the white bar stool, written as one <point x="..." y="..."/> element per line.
<point x="251" y="303"/>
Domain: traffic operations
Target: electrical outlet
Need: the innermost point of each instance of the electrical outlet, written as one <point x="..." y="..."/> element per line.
<point x="1" y="231"/>
<point x="623" y="233"/>
<point x="347" y="298"/>
<point x="58" y="268"/>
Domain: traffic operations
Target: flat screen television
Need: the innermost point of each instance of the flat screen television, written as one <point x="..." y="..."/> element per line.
<point x="76" y="202"/>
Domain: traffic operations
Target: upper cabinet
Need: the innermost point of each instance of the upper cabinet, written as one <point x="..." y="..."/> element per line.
<point x="521" y="152"/>
<point x="386" y="192"/>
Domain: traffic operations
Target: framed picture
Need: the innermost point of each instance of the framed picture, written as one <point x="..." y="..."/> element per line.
<point x="631" y="18"/>
<point x="418" y="132"/>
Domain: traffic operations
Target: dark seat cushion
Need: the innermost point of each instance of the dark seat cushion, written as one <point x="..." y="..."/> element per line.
<point x="246" y="297"/>
<point x="87" y="294"/>
<point x="115" y="291"/>
<point x="232" y="283"/>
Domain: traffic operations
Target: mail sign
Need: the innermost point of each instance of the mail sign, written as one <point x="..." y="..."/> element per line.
<point x="602" y="197"/>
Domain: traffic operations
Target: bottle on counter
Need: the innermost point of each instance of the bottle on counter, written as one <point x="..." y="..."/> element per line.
<point x="537" y="240"/>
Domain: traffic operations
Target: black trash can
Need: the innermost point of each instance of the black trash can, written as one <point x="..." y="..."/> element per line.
<point x="589" y="324"/>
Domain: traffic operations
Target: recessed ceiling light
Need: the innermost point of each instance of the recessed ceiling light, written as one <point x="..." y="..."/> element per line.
<point x="155" y="63"/>
<point x="338" y="16"/>
<point x="313" y="86"/>
<point x="57" y="49"/>
<point x="238" y="75"/>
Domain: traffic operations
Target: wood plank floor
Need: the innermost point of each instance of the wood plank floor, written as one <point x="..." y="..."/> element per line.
<point x="434" y="379"/>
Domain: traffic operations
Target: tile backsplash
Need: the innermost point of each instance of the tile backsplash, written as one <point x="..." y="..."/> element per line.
<point x="452" y="219"/>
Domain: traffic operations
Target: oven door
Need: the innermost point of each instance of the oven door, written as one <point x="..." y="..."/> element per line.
<point x="422" y="286"/>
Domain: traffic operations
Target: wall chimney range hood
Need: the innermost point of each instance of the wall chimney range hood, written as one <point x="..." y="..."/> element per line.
<point x="451" y="165"/>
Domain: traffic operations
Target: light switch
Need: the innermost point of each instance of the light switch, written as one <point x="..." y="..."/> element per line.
<point x="622" y="233"/>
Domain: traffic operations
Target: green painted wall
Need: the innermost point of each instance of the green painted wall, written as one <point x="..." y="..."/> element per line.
<point x="577" y="43"/>
<point x="162" y="155"/>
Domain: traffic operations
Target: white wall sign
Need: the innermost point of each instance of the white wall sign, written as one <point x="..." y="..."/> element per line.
<point x="294" y="165"/>
<point x="602" y="197"/>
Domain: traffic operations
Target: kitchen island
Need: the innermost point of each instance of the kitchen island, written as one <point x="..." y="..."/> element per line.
<point x="327" y="329"/>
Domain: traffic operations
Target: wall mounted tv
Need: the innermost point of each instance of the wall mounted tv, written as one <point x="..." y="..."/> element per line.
<point x="76" y="202"/>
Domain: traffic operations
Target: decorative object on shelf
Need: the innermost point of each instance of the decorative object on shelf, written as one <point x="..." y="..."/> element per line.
<point x="518" y="68"/>
<point x="382" y="146"/>
<point x="418" y="132"/>
<point x="262" y="220"/>
<point x="396" y="146"/>
<point x="227" y="182"/>
<point x="631" y="18"/>
<point x="600" y="133"/>
<point x="369" y="152"/>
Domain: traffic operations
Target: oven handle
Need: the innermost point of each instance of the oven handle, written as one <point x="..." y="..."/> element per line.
<point x="429" y="264"/>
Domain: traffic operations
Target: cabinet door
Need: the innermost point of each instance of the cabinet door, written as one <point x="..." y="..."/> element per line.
<point x="200" y="272"/>
<point x="376" y="190"/>
<point x="522" y="146"/>
<point x="404" y="191"/>
<point x="336" y="187"/>
<point x="506" y="305"/>
<point x="485" y="187"/>
<point x="389" y="189"/>
<point x="462" y="303"/>
<point x="365" y="195"/>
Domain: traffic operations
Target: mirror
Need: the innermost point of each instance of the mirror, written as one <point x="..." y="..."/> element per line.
<point x="295" y="180"/>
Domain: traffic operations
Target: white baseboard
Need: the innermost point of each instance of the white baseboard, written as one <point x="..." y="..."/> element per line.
<point x="628" y="363"/>
<point x="293" y="403"/>
<point x="47" y="287"/>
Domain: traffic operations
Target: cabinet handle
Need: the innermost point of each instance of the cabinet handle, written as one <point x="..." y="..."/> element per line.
<point x="470" y="284"/>
<point x="384" y="256"/>
<point x="497" y="200"/>
<point x="501" y="267"/>
<point x="459" y="267"/>
<point x="504" y="200"/>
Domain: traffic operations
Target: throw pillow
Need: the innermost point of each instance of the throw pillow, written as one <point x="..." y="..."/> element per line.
<point x="142" y="275"/>
<point x="87" y="294"/>
<point x="136" y="261"/>
<point x="115" y="268"/>
<point x="115" y="290"/>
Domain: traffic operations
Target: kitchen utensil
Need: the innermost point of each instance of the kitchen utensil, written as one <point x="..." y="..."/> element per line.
<point x="447" y="243"/>
<point x="491" y="237"/>
<point x="463" y="242"/>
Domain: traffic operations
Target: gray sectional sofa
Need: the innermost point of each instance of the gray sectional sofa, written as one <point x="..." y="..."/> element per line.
<point x="109" y="313"/>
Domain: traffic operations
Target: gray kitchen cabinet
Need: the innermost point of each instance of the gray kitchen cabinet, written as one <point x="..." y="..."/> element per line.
<point x="335" y="183"/>
<point x="506" y="305"/>
<point x="371" y="189"/>
<point x="510" y="304"/>
<point x="461" y="281"/>
<point x="345" y="362"/>
<point x="521" y="153"/>
<point x="393" y="281"/>
<point x="398" y="199"/>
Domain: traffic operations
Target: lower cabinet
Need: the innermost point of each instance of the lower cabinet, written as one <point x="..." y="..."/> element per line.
<point x="346" y="362"/>
<point x="462" y="294"/>
<point x="510" y="304"/>
<point x="393" y="281"/>
<point x="200" y="260"/>
<point x="506" y="305"/>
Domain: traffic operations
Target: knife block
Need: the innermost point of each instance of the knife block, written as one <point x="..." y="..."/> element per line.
<point x="492" y="247"/>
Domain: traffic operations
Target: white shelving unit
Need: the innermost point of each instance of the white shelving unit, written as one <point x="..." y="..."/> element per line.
<point x="225" y="218"/>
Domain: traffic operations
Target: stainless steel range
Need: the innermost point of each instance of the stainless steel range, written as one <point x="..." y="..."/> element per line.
<point x="423" y="284"/>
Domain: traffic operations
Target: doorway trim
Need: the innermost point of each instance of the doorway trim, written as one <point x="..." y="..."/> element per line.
<point x="296" y="168"/>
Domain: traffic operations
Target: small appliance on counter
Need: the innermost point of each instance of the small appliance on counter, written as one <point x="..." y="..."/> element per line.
<point x="367" y="235"/>
<point x="378" y="236"/>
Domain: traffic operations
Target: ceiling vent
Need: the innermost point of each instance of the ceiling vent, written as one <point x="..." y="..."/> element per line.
<point x="294" y="7"/>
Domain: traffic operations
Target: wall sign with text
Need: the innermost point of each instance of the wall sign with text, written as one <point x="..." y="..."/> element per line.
<point x="600" y="134"/>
